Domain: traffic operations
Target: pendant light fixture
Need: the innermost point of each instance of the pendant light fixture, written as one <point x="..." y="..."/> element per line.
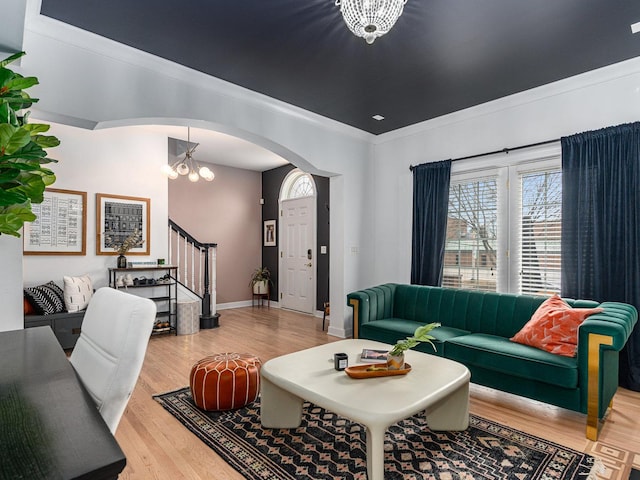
<point x="188" y="166"/>
<point x="370" y="19"/>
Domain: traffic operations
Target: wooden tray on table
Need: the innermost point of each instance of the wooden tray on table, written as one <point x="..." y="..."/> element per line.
<point x="362" y="371"/>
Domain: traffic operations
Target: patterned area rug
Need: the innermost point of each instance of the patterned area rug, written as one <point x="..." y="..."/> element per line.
<point x="327" y="446"/>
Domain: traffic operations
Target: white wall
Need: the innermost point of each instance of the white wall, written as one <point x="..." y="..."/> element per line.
<point x="87" y="80"/>
<point x="11" y="283"/>
<point x="118" y="161"/>
<point x="605" y="97"/>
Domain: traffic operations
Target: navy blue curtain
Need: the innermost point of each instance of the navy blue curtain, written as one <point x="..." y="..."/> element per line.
<point x="601" y="225"/>
<point x="430" y="208"/>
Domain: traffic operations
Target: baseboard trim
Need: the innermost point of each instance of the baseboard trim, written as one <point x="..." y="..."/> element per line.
<point x="241" y="304"/>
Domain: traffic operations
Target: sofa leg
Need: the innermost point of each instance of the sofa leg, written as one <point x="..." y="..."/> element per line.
<point x="355" y="304"/>
<point x="593" y="384"/>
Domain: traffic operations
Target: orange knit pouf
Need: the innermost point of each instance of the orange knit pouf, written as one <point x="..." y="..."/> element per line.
<point x="225" y="381"/>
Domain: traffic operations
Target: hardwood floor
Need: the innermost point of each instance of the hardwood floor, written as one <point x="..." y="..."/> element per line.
<point x="158" y="447"/>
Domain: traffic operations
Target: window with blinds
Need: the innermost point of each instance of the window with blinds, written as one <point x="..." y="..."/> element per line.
<point x="540" y="198"/>
<point x="470" y="260"/>
<point x="504" y="226"/>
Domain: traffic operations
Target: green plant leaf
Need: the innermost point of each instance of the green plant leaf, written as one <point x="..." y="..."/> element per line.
<point x="20" y="82"/>
<point x="5" y="77"/>
<point x="11" y="198"/>
<point x="6" y="131"/>
<point x="31" y="151"/>
<point x="32" y="184"/>
<point x="24" y="166"/>
<point x="5" y="113"/>
<point x="12" y="218"/>
<point x="12" y="58"/>
<point x="46" y="141"/>
<point x="35" y="128"/>
<point x="7" y="174"/>
<point x="17" y="140"/>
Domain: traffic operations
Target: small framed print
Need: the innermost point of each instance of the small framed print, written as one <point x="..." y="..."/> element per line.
<point x="117" y="217"/>
<point x="269" y="233"/>
<point x="61" y="224"/>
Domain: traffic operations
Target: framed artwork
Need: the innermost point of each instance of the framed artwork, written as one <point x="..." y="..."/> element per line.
<point x="269" y="233"/>
<point x="61" y="224"/>
<point x="117" y="217"/>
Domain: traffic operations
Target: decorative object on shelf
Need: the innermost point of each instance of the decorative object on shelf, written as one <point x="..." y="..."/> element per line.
<point x="63" y="212"/>
<point x="157" y="284"/>
<point x="142" y="264"/>
<point x="22" y="156"/>
<point x="269" y="235"/>
<point x="117" y="219"/>
<point x="395" y="357"/>
<point x="132" y="241"/>
<point x="260" y="281"/>
<point x="370" y="19"/>
<point x="187" y="165"/>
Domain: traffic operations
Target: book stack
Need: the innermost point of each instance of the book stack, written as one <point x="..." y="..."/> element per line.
<point x="370" y="355"/>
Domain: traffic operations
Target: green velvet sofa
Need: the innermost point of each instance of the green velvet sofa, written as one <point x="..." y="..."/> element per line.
<point x="475" y="331"/>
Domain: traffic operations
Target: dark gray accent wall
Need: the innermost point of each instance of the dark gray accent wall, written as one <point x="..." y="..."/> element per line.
<point x="271" y="183"/>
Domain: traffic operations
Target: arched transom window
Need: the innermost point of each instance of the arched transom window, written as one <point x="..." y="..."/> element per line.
<point x="297" y="184"/>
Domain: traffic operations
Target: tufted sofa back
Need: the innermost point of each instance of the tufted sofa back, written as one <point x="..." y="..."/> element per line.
<point x="501" y="314"/>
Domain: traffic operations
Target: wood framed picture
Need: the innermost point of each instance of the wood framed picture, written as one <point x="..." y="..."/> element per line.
<point x="61" y="224"/>
<point x="117" y="217"/>
<point x="270" y="233"/>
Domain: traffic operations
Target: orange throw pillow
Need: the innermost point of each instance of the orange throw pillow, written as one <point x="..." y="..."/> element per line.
<point x="554" y="327"/>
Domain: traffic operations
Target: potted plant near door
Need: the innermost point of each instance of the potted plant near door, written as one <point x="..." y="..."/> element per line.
<point x="260" y="280"/>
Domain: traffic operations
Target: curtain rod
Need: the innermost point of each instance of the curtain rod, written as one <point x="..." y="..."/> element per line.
<point x="504" y="150"/>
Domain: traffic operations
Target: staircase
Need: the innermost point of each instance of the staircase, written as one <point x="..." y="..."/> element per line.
<point x="196" y="262"/>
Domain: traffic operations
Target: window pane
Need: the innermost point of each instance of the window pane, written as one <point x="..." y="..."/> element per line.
<point x="302" y="187"/>
<point x="472" y="231"/>
<point x="540" y="232"/>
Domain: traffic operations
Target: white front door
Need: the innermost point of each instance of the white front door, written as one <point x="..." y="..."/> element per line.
<point x="297" y="273"/>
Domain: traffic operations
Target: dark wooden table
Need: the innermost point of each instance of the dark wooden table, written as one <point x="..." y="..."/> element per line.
<point x="49" y="425"/>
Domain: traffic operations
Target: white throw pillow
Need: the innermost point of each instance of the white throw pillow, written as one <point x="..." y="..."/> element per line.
<point x="77" y="292"/>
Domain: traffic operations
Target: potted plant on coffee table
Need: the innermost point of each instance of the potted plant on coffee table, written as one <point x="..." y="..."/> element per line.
<point x="260" y="281"/>
<point x="395" y="357"/>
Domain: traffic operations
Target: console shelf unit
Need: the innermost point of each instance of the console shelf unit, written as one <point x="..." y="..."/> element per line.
<point x="163" y="292"/>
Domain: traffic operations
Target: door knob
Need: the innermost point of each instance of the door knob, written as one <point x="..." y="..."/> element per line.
<point x="309" y="264"/>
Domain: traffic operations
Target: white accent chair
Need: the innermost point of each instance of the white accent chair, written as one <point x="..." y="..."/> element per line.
<point x="110" y="351"/>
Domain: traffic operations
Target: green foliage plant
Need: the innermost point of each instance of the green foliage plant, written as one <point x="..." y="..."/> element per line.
<point x="261" y="274"/>
<point x="420" y="335"/>
<point x="22" y="151"/>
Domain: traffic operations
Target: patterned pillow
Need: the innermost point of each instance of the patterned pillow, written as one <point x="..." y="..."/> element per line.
<point x="554" y="327"/>
<point x="46" y="299"/>
<point x="77" y="292"/>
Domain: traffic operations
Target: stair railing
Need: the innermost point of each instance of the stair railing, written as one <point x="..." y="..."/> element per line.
<point x="196" y="262"/>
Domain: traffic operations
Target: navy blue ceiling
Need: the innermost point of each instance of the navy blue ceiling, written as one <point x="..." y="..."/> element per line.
<point x="441" y="56"/>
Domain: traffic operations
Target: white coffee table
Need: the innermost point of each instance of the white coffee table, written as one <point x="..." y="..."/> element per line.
<point x="438" y="386"/>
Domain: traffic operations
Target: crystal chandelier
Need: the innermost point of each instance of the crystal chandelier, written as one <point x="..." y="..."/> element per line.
<point x="188" y="166"/>
<point x="370" y="19"/>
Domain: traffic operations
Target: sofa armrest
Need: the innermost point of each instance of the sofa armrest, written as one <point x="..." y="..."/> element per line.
<point x="371" y="304"/>
<point x="600" y="338"/>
